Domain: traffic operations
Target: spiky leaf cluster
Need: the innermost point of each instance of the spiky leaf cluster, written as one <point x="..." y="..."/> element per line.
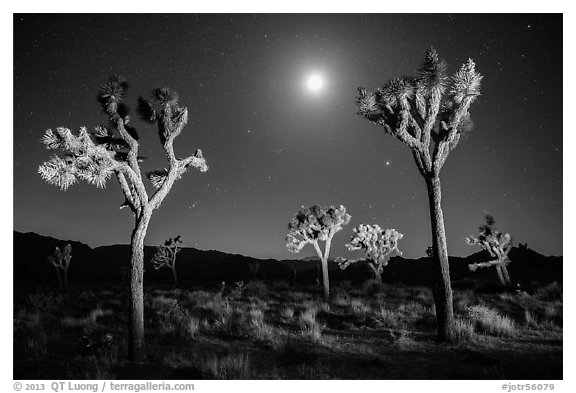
<point x="162" y="108"/>
<point x="427" y="107"/>
<point x="498" y="244"/>
<point x="317" y="223"/>
<point x="84" y="159"/>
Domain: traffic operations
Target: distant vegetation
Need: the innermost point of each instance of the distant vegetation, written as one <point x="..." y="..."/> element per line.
<point x="498" y="244"/>
<point x="312" y="226"/>
<point x="61" y="262"/>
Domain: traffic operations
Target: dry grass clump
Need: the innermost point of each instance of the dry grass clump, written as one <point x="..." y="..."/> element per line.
<point x="231" y="366"/>
<point x="309" y="326"/>
<point x="489" y="321"/>
<point x="89" y="320"/>
<point x="464" y="330"/>
<point x="552" y="291"/>
<point x="175" y="319"/>
<point x="29" y="330"/>
<point x="287" y="313"/>
<point x="262" y="332"/>
<point x="389" y="319"/>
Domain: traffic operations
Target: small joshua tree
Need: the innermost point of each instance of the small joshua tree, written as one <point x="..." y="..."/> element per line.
<point x="165" y="256"/>
<point x="429" y="113"/>
<point x="313" y="225"/>
<point x="113" y="150"/>
<point x="61" y="261"/>
<point x="378" y="245"/>
<point x="498" y="244"/>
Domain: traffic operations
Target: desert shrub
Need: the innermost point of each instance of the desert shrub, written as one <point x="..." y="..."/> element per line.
<point x="29" y="330"/>
<point x="403" y="339"/>
<point x="45" y="302"/>
<point x="89" y="321"/>
<point x="464" y="330"/>
<point x="340" y="297"/>
<point x="175" y="320"/>
<point x="231" y="366"/>
<point x="413" y="310"/>
<point x="232" y="322"/>
<point x="216" y="305"/>
<point x="309" y="326"/>
<point x="262" y="332"/>
<point x="552" y="291"/>
<point x="489" y="321"/>
<point x="287" y="312"/>
<point x="238" y="289"/>
<point x="387" y="318"/>
<point x="359" y="306"/>
<point x="256" y="288"/>
<point x="199" y="298"/>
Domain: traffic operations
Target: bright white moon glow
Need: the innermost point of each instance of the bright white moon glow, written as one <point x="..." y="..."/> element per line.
<point x="315" y="83"/>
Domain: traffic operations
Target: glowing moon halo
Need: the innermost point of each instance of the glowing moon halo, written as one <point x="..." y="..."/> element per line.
<point x="315" y="83"/>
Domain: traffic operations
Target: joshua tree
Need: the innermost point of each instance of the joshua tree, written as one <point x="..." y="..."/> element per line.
<point x="428" y="113"/>
<point x="114" y="150"/>
<point x="61" y="260"/>
<point x="314" y="225"/>
<point x="165" y="256"/>
<point x="497" y="244"/>
<point x="378" y="244"/>
<point x="429" y="252"/>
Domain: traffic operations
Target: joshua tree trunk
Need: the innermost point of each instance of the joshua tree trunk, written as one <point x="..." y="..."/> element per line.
<point x="503" y="275"/>
<point x="60" y="286"/>
<point x="65" y="274"/>
<point x="506" y="276"/>
<point x="377" y="274"/>
<point x="324" y="261"/>
<point x="325" y="279"/>
<point x="136" y="331"/>
<point x="442" y="288"/>
<point x="174" y="275"/>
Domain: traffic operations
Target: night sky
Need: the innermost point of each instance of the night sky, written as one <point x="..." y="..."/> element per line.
<point x="273" y="145"/>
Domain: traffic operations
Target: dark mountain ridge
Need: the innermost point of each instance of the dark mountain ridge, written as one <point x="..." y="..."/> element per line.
<point x="110" y="264"/>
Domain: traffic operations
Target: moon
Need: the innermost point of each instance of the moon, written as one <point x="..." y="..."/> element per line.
<point x="315" y="83"/>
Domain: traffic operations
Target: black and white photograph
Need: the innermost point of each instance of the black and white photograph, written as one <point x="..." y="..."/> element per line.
<point x="293" y="195"/>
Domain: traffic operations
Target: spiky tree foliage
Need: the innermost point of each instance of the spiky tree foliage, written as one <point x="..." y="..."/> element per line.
<point x="113" y="150"/>
<point x="378" y="244"/>
<point x="61" y="261"/>
<point x="312" y="226"/>
<point x="165" y="256"/>
<point x="498" y="244"/>
<point x="429" y="113"/>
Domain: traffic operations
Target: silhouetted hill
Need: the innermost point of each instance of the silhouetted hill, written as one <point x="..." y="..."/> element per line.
<point x="106" y="264"/>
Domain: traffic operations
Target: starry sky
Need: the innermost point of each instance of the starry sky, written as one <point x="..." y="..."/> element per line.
<point x="273" y="145"/>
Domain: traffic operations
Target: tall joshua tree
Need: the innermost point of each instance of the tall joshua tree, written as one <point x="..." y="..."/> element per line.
<point x="113" y="150"/>
<point x="378" y="245"/>
<point x="61" y="261"/>
<point x="165" y="256"/>
<point x="314" y="225"/>
<point x="428" y="113"/>
<point x="498" y="244"/>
